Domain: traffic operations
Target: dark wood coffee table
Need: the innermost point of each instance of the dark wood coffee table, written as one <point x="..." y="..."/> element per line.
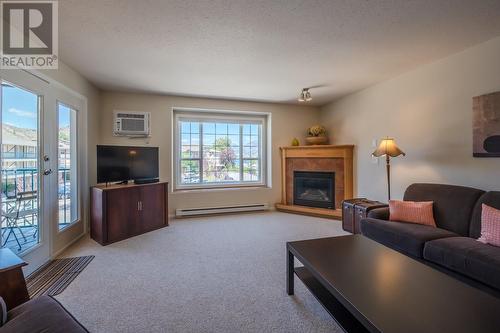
<point x="368" y="287"/>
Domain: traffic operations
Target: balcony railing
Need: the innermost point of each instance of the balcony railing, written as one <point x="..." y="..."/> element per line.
<point x="19" y="224"/>
<point x="16" y="181"/>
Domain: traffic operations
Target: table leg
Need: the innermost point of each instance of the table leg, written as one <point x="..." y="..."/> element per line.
<point x="290" y="273"/>
<point x="13" y="287"/>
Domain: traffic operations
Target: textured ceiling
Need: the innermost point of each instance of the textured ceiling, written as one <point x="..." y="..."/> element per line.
<point x="264" y="50"/>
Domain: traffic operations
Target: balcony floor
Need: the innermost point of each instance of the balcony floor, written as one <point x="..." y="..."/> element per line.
<point x="29" y="232"/>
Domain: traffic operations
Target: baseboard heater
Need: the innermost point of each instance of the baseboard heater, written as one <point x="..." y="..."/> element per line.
<point x="220" y="210"/>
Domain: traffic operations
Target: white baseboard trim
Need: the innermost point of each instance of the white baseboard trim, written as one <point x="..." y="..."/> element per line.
<point x="270" y="208"/>
<point x="56" y="254"/>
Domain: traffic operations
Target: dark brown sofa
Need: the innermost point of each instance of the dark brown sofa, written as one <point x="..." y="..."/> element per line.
<point x="452" y="247"/>
<point x="41" y="315"/>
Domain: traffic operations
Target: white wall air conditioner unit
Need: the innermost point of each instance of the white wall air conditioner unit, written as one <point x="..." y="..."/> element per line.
<point x="132" y="123"/>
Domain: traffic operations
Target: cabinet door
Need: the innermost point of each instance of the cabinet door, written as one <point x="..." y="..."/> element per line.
<point x="122" y="213"/>
<point x="153" y="207"/>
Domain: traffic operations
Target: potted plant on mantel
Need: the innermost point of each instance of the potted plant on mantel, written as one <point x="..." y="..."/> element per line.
<point x="316" y="135"/>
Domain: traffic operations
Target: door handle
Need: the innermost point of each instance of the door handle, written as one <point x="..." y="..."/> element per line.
<point x="139" y="205"/>
<point x="47" y="172"/>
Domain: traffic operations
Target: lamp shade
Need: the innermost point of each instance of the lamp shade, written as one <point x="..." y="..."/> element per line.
<point x="388" y="147"/>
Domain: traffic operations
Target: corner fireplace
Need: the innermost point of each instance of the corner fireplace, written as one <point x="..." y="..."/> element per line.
<point x="314" y="189"/>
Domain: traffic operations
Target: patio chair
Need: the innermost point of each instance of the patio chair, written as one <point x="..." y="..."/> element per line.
<point x="24" y="209"/>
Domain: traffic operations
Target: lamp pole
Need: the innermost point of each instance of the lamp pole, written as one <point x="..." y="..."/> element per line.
<point x="388" y="167"/>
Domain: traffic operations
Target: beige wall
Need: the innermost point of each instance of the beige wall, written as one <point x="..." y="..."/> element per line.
<point x="429" y="112"/>
<point x="287" y="122"/>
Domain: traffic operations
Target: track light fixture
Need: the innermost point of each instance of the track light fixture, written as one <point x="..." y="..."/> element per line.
<point x="305" y="95"/>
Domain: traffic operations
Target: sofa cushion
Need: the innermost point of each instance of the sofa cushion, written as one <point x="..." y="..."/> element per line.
<point x="490" y="226"/>
<point x="491" y="199"/>
<point x="43" y="314"/>
<point x="466" y="256"/>
<point x="453" y="205"/>
<point x="408" y="238"/>
<point x="411" y="211"/>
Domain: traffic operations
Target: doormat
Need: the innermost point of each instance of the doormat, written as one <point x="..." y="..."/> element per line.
<point x="53" y="277"/>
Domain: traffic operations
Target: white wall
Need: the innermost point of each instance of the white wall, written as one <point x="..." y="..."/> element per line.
<point x="287" y="122"/>
<point x="429" y="112"/>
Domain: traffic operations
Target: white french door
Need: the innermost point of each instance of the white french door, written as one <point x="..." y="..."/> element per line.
<point x="40" y="176"/>
<point x="68" y="184"/>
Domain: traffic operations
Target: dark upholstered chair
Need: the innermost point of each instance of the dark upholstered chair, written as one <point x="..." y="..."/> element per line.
<point x="42" y="314"/>
<point x="452" y="247"/>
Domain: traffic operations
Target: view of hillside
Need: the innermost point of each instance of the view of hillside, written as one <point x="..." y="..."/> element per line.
<point x="23" y="134"/>
<point x="17" y="135"/>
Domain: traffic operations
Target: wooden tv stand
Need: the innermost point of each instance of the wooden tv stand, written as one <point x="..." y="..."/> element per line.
<point x="119" y="212"/>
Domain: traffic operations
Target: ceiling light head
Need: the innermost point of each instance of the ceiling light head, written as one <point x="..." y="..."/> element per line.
<point x="305" y="95"/>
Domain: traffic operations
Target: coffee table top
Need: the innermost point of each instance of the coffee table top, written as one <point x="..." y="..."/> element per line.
<point x="390" y="292"/>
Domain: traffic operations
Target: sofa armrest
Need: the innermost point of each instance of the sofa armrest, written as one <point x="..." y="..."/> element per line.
<point x="42" y="314"/>
<point x="379" y="213"/>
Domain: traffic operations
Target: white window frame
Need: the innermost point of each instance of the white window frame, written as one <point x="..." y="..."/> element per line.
<point x="75" y="159"/>
<point x="201" y="115"/>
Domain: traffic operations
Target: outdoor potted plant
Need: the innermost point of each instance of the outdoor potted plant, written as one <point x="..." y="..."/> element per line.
<point x="316" y="135"/>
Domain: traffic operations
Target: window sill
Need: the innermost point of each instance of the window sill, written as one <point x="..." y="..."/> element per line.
<point x="218" y="189"/>
<point x="68" y="226"/>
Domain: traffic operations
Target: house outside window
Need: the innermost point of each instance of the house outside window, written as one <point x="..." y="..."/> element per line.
<point x="220" y="149"/>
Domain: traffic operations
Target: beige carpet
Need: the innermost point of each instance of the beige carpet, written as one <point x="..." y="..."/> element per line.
<point x="210" y="274"/>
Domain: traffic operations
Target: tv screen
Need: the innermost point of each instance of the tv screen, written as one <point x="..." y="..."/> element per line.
<point x="119" y="163"/>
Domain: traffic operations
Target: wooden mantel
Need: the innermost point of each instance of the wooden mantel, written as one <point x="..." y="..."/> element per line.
<point x="328" y="158"/>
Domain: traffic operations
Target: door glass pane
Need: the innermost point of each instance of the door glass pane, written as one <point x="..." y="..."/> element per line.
<point x="67" y="179"/>
<point x="19" y="224"/>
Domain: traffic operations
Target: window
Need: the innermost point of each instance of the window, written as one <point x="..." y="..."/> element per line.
<point x="219" y="149"/>
<point x="67" y="166"/>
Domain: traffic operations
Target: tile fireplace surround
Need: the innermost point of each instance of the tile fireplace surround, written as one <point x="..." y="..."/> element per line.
<point x="328" y="158"/>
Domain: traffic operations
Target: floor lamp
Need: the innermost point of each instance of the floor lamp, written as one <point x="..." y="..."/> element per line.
<point x="388" y="148"/>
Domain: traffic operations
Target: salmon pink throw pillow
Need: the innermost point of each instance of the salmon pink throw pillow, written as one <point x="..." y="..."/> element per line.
<point x="490" y="226"/>
<point x="412" y="212"/>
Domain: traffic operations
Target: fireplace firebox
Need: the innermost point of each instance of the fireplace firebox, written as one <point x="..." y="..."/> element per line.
<point x="314" y="189"/>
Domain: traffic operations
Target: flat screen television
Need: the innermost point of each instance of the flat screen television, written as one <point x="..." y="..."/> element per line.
<point x="121" y="163"/>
